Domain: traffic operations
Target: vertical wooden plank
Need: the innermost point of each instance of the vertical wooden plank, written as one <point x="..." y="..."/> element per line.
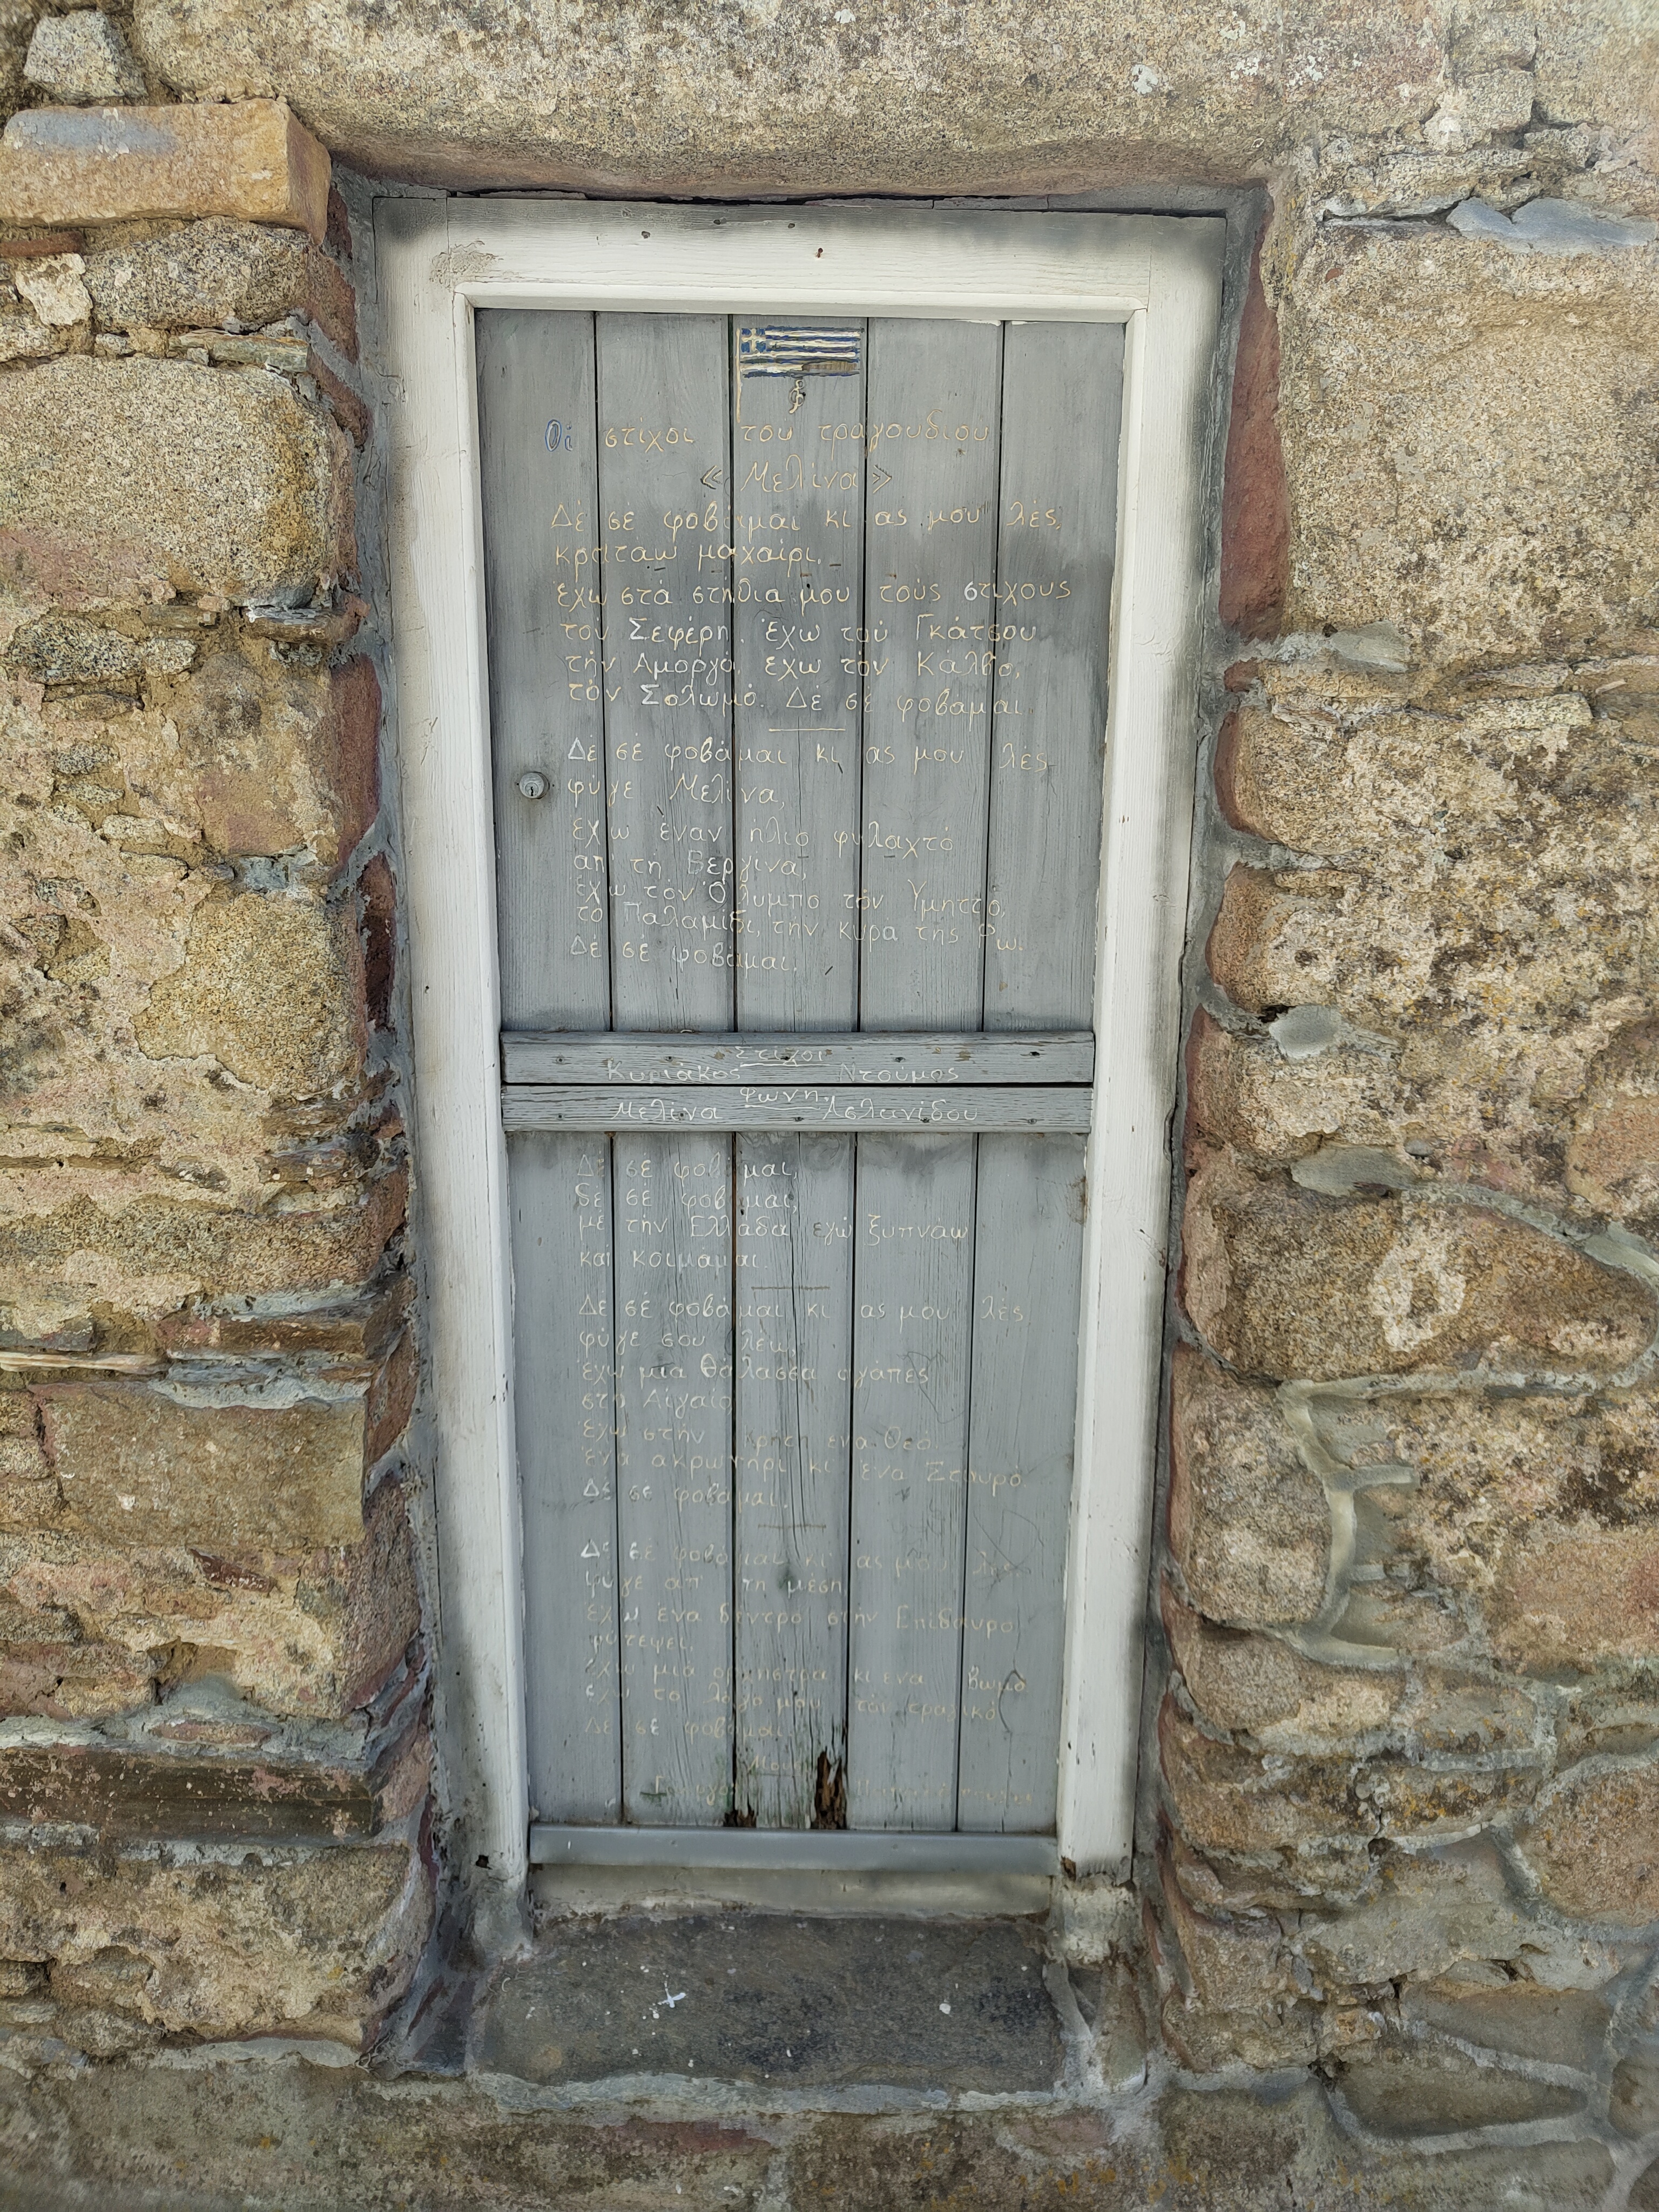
<point x="795" y="1350"/>
<point x="934" y="393"/>
<point x="1058" y="533"/>
<point x="1027" y="1284"/>
<point x="674" y="1323"/>
<point x="798" y="529"/>
<point x="566" y="1416"/>
<point x="664" y="515"/>
<point x="911" y="1342"/>
<point x="542" y="590"/>
<point x="797" y="581"/>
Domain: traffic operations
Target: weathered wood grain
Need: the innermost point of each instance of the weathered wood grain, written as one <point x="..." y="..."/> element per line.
<point x="1028" y="1272"/>
<point x="914" y="1260"/>
<point x="565" y="1408"/>
<point x="795" y="1347"/>
<point x="967" y="1056"/>
<point x="1057" y="539"/>
<point x="797" y="581"/>
<point x="934" y="407"/>
<point x="663" y="502"/>
<point x="673" y="1199"/>
<point x="795" y="1106"/>
<point x="541" y="590"/>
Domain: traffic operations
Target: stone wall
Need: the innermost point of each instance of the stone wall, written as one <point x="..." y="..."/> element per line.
<point x="214" y="1764"/>
<point x="1402" y="1770"/>
<point x="1403" y="1758"/>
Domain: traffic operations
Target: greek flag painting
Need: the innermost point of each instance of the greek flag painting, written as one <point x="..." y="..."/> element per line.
<point x="792" y="349"/>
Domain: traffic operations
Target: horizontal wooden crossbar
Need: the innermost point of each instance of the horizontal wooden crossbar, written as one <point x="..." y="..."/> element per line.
<point x="973" y="1056"/>
<point x="967" y="1109"/>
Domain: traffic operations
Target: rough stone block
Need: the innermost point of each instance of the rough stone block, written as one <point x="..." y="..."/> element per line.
<point x="1536" y="773"/>
<point x="378" y="1598"/>
<point x="1263" y="1687"/>
<point x="1610" y="1150"/>
<point x="1233" y="1965"/>
<point x="52" y="286"/>
<point x="313" y="1641"/>
<point x="205" y="275"/>
<point x="65" y="648"/>
<point x="1505" y="39"/>
<point x="1328" y="1873"/>
<point x="231" y="747"/>
<point x="1564" y="1601"/>
<point x="1401" y="2092"/>
<point x="1108" y="96"/>
<point x="1285" y="1283"/>
<point x="270" y="759"/>
<point x="312" y="2132"/>
<point x="17" y="22"/>
<point x="1590" y="1844"/>
<point x="1230" y="1799"/>
<point x="23" y="336"/>
<point x="105" y="862"/>
<point x="81" y="58"/>
<point x="1248" y="1524"/>
<point x="1485" y="103"/>
<point x="140" y="1256"/>
<point x="1596" y="59"/>
<point x="1633" y="2101"/>
<point x="247" y="158"/>
<point x="347" y="408"/>
<point x="1227" y="1799"/>
<point x="1619" y="1715"/>
<point x="1245" y="1093"/>
<point x="1524" y="2018"/>
<point x="1207" y="2039"/>
<point x="1258" y="1686"/>
<point x="1445" y="487"/>
<point x="189" y="1794"/>
<point x="1548" y="967"/>
<point x="136" y="1465"/>
<point x="275" y="1942"/>
<point x="1241" y="2004"/>
<point x="50" y="1669"/>
<point x="127" y="478"/>
<point x="1551" y="2176"/>
<point x="365" y="1328"/>
<point x="1560" y="1114"/>
<point x="1222" y="2141"/>
<point x="28" y="1492"/>
<point x="1482" y="930"/>
<point x="271" y="988"/>
<point x="1536" y="1518"/>
<point x="1451" y="1909"/>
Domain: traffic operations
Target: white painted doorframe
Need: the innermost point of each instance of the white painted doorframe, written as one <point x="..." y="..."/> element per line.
<point x="439" y="260"/>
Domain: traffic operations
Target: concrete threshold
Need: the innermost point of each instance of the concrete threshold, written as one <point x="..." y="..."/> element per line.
<point x="773" y="2003"/>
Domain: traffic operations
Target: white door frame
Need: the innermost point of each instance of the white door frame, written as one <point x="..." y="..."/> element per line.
<point x="439" y="260"/>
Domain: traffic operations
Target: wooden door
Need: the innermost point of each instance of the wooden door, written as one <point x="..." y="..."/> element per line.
<point x="798" y="662"/>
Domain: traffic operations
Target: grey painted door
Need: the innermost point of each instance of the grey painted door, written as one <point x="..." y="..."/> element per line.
<point x="797" y="664"/>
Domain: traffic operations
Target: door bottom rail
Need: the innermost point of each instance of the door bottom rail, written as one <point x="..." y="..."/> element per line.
<point x="796" y="1851"/>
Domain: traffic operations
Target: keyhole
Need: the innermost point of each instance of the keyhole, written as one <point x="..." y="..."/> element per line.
<point x="532" y="784"/>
